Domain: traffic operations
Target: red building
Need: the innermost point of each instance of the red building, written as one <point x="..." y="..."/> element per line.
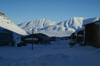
<point x="92" y="33"/>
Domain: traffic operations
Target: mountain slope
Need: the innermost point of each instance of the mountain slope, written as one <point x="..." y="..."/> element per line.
<point x="53" y="28"/>
<point x="37" y="25"/>
<point x="7" y="24"/>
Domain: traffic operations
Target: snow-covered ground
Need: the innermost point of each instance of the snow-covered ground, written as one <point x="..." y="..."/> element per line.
<point x="57" y="53"/>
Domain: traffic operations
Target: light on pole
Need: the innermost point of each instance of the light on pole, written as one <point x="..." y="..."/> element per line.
<point x="32" y="37"/>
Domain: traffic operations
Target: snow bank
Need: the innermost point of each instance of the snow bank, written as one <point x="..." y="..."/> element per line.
<point x="1" y="57"/>
<point x="51" y="57"/>
<point x="57" y="53"/>
<point x="58" y="59"/>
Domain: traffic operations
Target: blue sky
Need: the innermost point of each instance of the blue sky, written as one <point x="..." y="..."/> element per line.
<point x="19" y="11"/>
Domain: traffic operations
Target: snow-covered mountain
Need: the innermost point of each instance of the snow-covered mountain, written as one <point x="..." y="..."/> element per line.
<point x="9" y="25"/>
<point x="53" y="28"/>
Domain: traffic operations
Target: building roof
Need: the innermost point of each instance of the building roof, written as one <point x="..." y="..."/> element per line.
<point x="41" y="35"/>
<point x="80" y="35"/>
<point x="79" y="30"/>
<point x="31" y="39"/>
<point x="92" y="22"/>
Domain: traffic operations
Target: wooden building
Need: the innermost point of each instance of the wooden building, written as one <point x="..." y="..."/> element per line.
<point x="37" y="38"/>
<point x="92" y="33"/>
<point x="77" y="36"/>
<point x="6" y="38"/>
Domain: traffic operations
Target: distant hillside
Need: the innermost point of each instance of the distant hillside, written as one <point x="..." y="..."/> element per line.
<point x="53" y="28"/>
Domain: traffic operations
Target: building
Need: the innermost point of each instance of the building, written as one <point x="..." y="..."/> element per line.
<point x="6" y="38"/>
<point x="92" y="33"/>
<point x="78" y="36"/>
<point x="37" y="38"/>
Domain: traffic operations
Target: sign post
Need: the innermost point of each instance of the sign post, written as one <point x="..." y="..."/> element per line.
<point x="32" y="37"/>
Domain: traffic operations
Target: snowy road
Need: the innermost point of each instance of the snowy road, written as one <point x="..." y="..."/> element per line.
<point x="56" y="54"/>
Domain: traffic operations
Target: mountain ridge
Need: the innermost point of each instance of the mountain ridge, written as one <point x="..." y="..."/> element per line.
<point x="54" y="28"/>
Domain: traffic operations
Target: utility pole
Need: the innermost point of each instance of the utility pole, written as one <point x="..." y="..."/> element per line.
<point x="32" y="37"/>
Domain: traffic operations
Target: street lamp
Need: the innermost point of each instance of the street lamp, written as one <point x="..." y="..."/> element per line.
<point x="32" y="37"/>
